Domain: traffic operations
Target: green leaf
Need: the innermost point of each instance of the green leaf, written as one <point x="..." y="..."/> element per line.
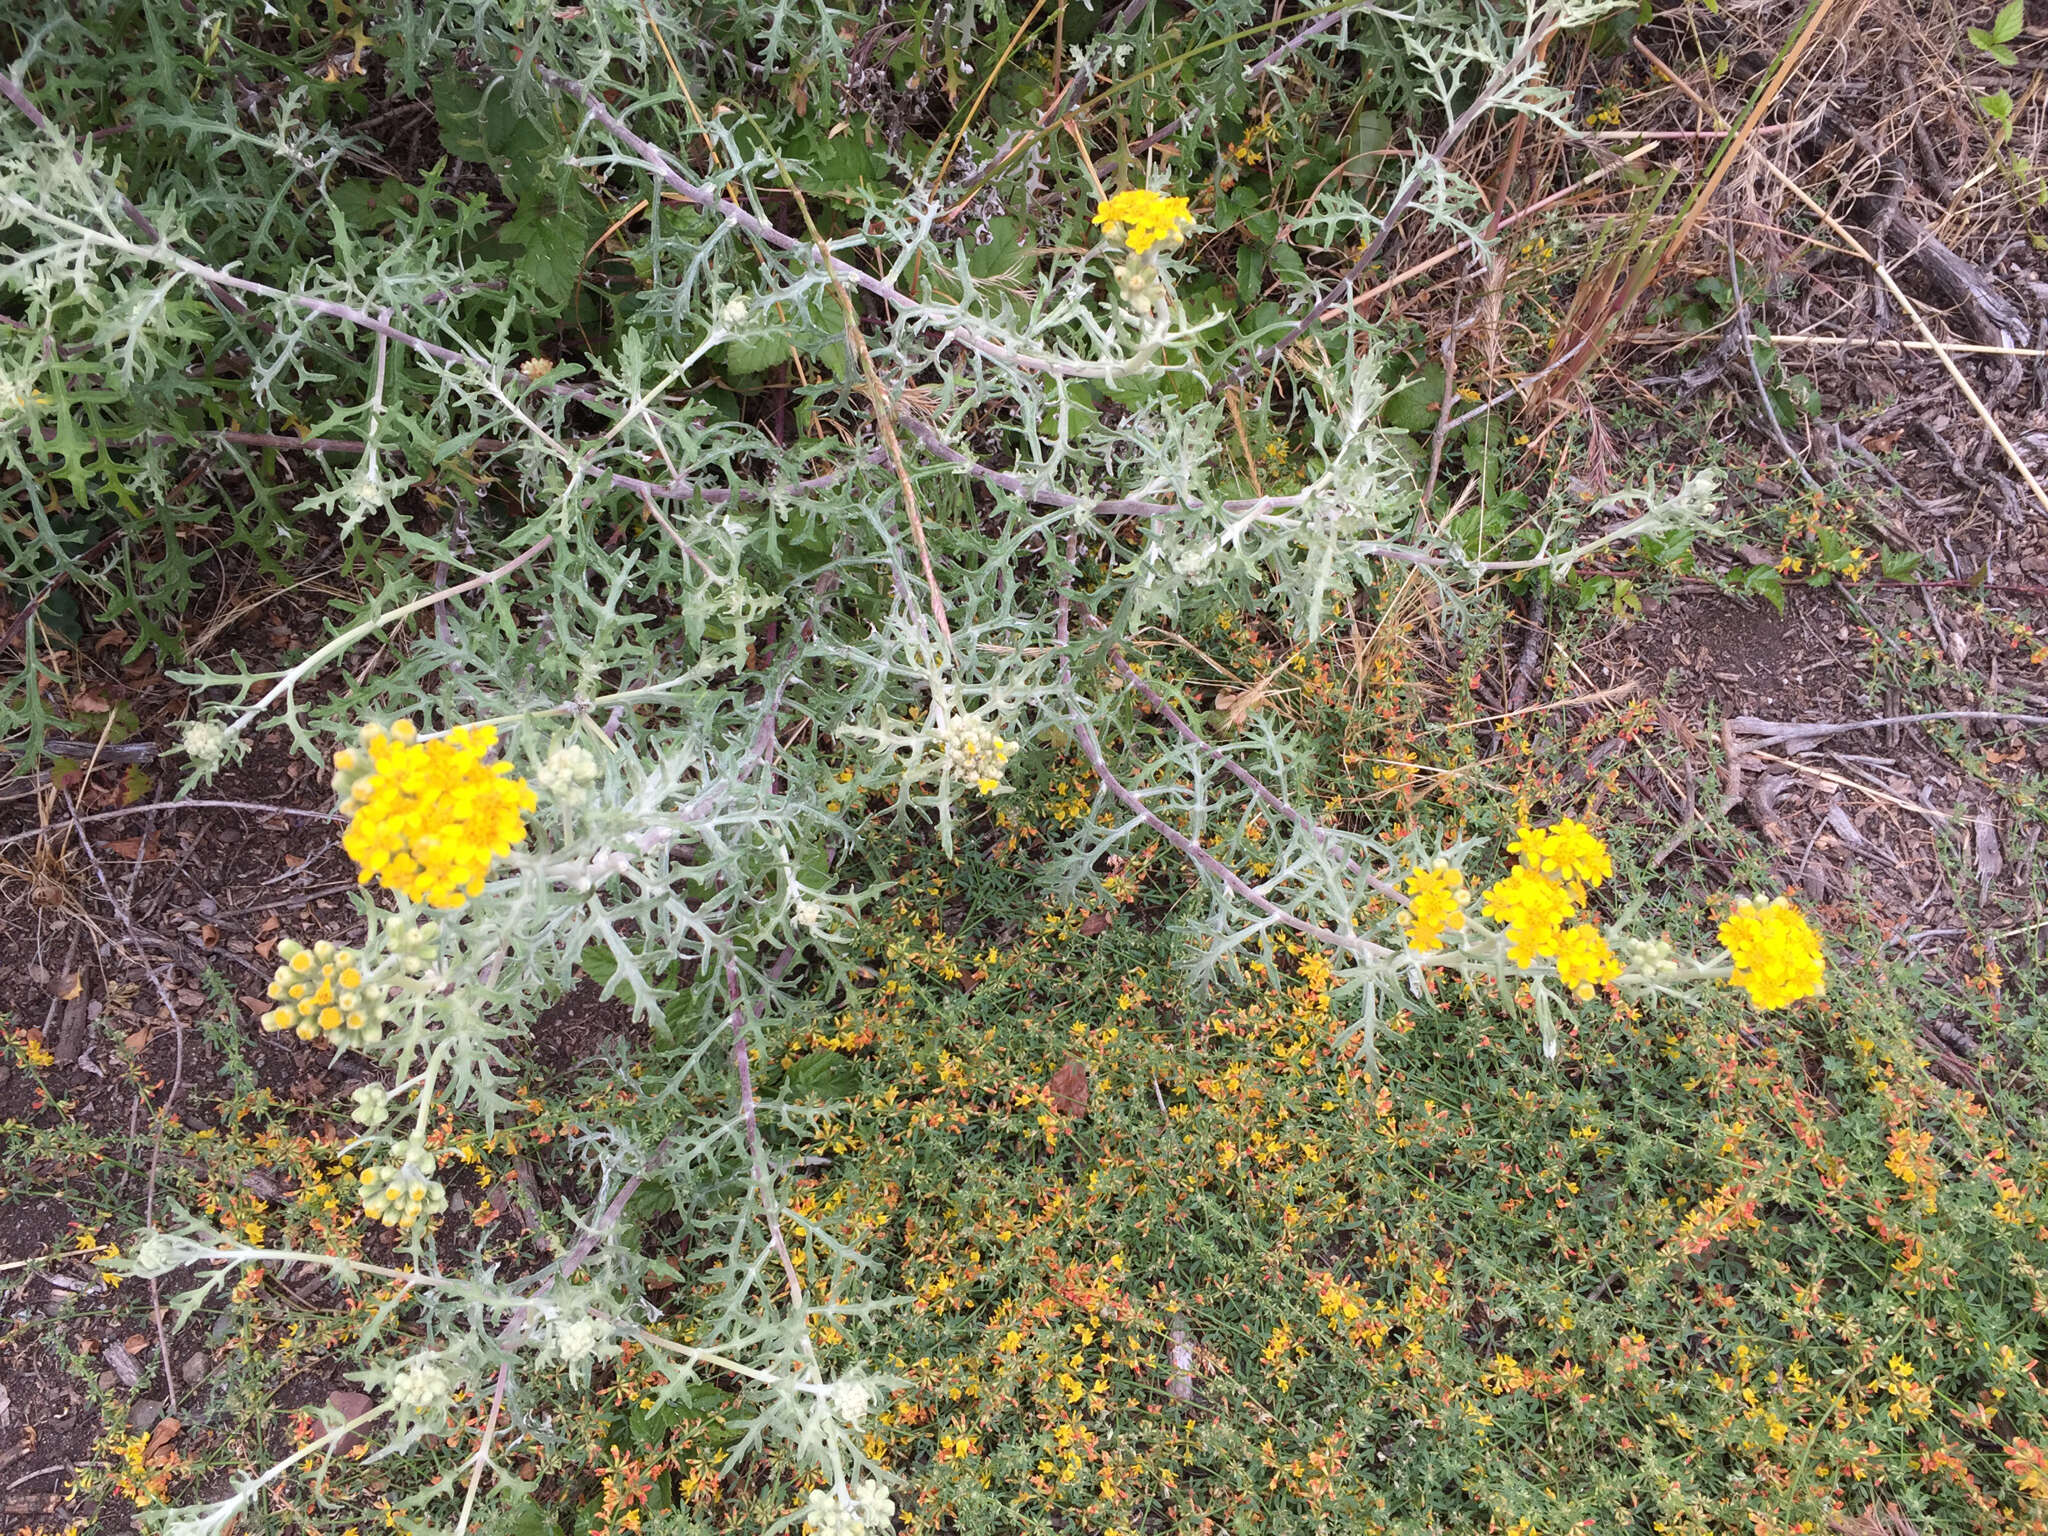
<point x="825" y="1075"/>
<point x="844" y="161"/>
<point x="552" y="240"/>
<point x="757" y="353"/>
<point x="1251" y="271"/>
<point x="1763" y="581"/>
<point x="1008" y="249"/>
<point x="459" y="118"/>
<point x="1415" y="405"/>
<point x="1899" y="564"/>
<point x="1285" y="263"/>
<point x="598" y="963"/>
<point x="529" y="1516"/>
<point x="2010" y="19"/>
<point x="1262" y="226"/>
<point x="697" y="1405"/>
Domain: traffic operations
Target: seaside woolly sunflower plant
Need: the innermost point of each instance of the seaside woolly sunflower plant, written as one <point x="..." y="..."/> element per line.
<point x="728" y="672"/>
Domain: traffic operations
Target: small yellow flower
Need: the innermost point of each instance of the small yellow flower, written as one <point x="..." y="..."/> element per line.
<point x="1142" y="219"/>
<point x="1436" y="905"/>
<point x="427" y="817"/>
<point x="1533" y="909"/>
<point x="1585" y="961"/>
<point x="1776" y="953"/>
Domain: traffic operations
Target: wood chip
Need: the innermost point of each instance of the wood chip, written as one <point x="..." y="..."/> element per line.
<point x="122" y="1364"/>
<point x="1070" y="1090"/>
<point x="350" y="1405"/>
<point x="1990" y="860"/>
<point x="158" y="1452"/>
<point x="1844" y="828"/>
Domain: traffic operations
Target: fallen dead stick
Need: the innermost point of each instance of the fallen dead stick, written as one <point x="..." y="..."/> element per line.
<point x="1746" y="734"/>
<point x="1604" y="696"/>
<point x="1810" y="339"/>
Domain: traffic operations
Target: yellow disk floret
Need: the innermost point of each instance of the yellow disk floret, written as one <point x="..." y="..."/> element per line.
<point x="426" y="818"/>
<point x="1776" y="953"/>
<point x="1142" y="219"/>
<point x="1568" y="853"/>
<point x="1533" y="908"/>
<point x="1585" y="961"/>
<point x="320" y="995"/>
<point x="1436" y="905"/>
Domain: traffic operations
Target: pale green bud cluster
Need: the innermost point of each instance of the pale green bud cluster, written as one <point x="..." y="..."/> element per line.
<point x="373" y="1105"/>
<point x="421" y="1385"/>
<point x="156" y="1254"/>
<point x="567" y="775"/>
<point x="833" y="1512"/>
<point x="1143" y="287"/>
<point x="414" y="946"/>
<point x="1651" y="959"/>
<point x="576" y="1339"/>
<point x="208" y="745"/>
<point x="851" y="1400"/>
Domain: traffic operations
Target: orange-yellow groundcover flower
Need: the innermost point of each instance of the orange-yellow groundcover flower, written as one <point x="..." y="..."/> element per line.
<point x="1436" y="905"/>
<point x="1776" y="953"/>
<point x="1143" y="219"/>
<point x="426" y="818"/>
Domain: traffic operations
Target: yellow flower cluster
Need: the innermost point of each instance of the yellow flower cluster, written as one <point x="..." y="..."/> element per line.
<point x="399" y="1194"/>
<point x="427" y="817"/>
<point x="1585" y="961"/>
<point x="319" y="993"/>
<point x="1543" y="892"/>
<point x="1533" y="908"/>
<point x="1436" y="905"/>
<point x="1142" y="219"/>
<point x="1568" y="853"/>
<point x="1776" y="953"/>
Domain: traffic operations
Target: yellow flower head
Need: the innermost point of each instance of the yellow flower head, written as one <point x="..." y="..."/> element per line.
<point x="1142" y="219"/>
<point x="1533" y="909"/>
<point x="1776" y="953"/>
<point x="1436" y="905"/>
<point x="321" y="994"/>
<point x="1585" y="961"/>
<point x="426" y="818"/>
<point x="1568" y="853"/>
